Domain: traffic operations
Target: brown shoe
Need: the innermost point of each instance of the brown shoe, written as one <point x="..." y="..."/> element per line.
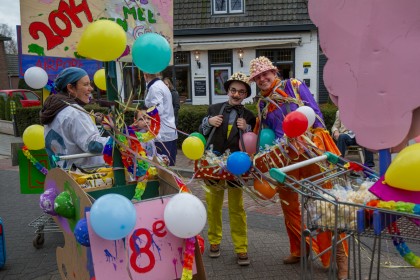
<point x="214" y="251"/>
<point x="291" y="259"/>
<point x="243" y="259"/>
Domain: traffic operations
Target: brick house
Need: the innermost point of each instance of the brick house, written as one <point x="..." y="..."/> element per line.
<point x="214" y="38"/>
<point x="4" y="78"/>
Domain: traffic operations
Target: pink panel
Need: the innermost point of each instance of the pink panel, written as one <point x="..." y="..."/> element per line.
<point x="373" y="66"/>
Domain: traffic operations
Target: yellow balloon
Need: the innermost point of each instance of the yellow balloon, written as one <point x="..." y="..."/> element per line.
<point x="99" y="79"/>
<point x="103" y="40"/>
<point x="33" y="137"/>
<point x="193" y="148"/>
<point x="403" y="172"/>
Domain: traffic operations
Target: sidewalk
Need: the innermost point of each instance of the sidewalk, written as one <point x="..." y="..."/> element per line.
<point x="268" y="242"/>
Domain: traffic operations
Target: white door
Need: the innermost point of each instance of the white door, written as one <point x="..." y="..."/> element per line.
<point x="219" y="75"/>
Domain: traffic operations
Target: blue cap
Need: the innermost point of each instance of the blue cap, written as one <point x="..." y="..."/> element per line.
<point x="68" y="76"/>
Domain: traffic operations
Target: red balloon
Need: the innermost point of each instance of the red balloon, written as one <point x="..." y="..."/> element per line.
<point x="250" y="143"/>
<point x="295" y="124"/>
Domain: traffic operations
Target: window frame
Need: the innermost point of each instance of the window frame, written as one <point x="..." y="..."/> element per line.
<point x="228" y="10"/>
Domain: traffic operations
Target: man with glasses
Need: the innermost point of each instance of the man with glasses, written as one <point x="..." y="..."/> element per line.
<point x="225" y="123"/>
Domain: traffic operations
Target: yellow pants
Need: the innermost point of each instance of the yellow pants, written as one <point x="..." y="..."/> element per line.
<point x="237" y="216"/>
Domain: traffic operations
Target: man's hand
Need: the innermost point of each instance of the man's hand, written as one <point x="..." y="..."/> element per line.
<point x="336" y="134"/>
<point x="216" y="120"/>
<point x="241" y="123"/>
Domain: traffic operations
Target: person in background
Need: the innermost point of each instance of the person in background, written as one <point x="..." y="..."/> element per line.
<point x="175" y="98"/>
<point x="69" y="129"/>
<point x="158" y="95"/>
<point x="142" y="124"/>
<point x="345" y="138"/>
<point x="288" y="95"/>
<point x="228" y="120"/>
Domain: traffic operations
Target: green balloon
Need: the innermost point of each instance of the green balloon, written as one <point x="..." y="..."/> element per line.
<point x="199" y="136"/>
<point x="63" y="206"/>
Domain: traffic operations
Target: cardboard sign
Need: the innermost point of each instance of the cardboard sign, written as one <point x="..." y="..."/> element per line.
<point x="31" y="179"/>
<point x="53" y="28"/>
<point x="150" y="251"/>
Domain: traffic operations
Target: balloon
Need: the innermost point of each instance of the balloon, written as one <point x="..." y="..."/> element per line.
<point x="63" y="205"/>
<point x="151" y="53"/>
<point x="295" y="124"/>
<point x="417" y="139"/>
<point x="200" y="136"/>
<point x="33" y="137"/>
<point x="267" y="137"/>
<point x="112" y="216"/>
<point x="250" y="143"/>
<point x="193" y="147"/>
<point x="81" y="232"/>
<point x="46" y="201"/>
<point x="403" y="172"/>
<point x="36" y="77"/>
<point x="185" y="215"/>
<point x="309" y="113"/>
<point x="264" y="188"/>
<point x="103" y="40"/>
<point x="238" y="163"/>
<point x="99" y="79"/>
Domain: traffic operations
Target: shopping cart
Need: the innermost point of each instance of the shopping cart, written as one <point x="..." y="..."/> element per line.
<point x="323" y="210"/>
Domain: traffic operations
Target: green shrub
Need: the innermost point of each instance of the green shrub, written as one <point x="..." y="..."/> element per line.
<point x="328" y="112"/>
<point x="2" y="109"/>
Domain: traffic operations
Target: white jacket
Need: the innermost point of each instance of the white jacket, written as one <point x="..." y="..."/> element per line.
<point x="159" y="93"/>
<point x="70" y="133"/>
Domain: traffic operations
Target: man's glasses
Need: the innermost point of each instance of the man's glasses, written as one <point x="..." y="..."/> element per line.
<point x="241" y="92"/>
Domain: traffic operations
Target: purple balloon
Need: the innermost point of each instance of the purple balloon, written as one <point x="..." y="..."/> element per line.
<point x="46" y="201"/>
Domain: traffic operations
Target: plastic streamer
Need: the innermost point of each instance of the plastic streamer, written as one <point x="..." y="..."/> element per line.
<point x="188" y="259"/>
<point x="398" y="241"/>
<point x="33" y="160"/>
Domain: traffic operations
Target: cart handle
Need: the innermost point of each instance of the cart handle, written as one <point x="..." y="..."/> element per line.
<point x="279" y="174"/>
<point x="66" y="157"/>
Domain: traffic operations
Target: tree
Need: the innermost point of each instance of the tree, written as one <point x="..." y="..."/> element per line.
<point x="10" y="46"/>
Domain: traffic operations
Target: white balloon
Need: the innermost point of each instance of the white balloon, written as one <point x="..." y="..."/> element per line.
<point x="309" y="113"/>
<point x="185" y="215"/>
<point x="36" y="77"/>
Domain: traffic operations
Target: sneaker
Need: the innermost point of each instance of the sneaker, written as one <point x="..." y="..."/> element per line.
<point x="291" y="260"/>
<point x="243" y="259"/>
<point x="214" y="251"/>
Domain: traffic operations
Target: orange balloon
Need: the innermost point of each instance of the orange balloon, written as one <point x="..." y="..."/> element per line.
<point x="264" y="188"/>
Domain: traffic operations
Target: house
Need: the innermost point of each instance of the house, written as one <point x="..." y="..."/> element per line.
<point x="215" y="38"/>
<point x="9" y="68"/>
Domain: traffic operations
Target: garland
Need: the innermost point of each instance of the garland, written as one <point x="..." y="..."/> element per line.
<point x="398" y="241"/>
<point x="33" y="160"/>
<point x="188" y="259"/>
<point x="133" y="141"/>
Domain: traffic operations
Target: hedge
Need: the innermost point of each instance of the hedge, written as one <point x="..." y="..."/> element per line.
<point x="190" y="117"/>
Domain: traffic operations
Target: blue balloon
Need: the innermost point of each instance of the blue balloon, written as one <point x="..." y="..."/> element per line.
<point x="238" y="163"/>
<point x="112" y="216"/>
<point x="151" y="53"/>
<point x="81" y="232"/>
<point x="267" y="137"/>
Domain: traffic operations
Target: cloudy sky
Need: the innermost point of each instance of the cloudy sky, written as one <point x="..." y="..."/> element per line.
<point x="10" y="13"/>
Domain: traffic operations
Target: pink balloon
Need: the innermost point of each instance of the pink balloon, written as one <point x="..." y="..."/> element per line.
<point x="250" y="142"/>
<point x="417" y="139"/>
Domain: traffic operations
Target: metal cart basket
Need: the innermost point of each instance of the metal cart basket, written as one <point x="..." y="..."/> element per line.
<point x="322" y="211"/>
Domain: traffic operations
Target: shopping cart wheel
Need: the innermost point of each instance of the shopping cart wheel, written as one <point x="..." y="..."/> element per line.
<point x="38" y="241"/>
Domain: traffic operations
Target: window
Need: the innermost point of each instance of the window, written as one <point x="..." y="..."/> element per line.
<point x="283" y="59"/>
<point x="31" y="96"/>
<point x="228" y="6"/>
